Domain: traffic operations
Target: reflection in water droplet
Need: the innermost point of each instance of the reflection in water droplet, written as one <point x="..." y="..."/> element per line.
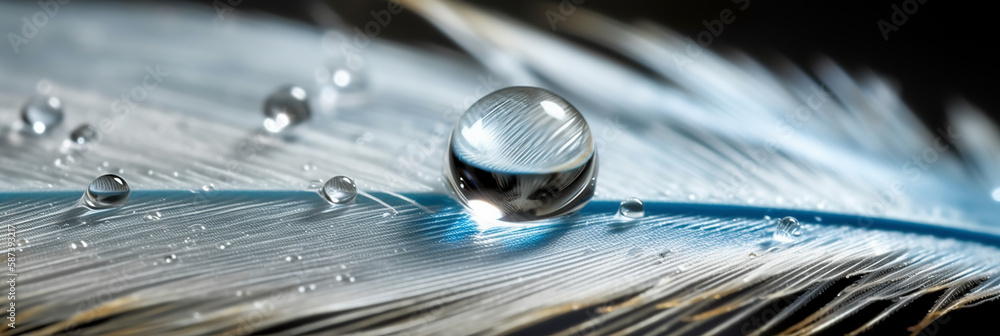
<point x="339" y="190"/>
<point x="106" y="191"/>
<point x="524" y="154"/>
<point x="285" y="107"/>
<point x="153" y="216"/>
<point x="340" y="84"/>
<point x="787" y="229"/>
<point x="83" y="134"/>
<point x="632" y="208"/>
<point x="42" y="113"/>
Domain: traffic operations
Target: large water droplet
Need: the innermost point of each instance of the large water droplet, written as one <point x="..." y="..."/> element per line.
<point x="787" y="229"/>
<point x="42" y="113"/>
<point x="521" y="154"/>
<point x="286" y="107"/>
<point x="632" y="208"/>
<point x="106" y="191"/>
<point x="339" y="190"/>
<point x="83" y="134"/>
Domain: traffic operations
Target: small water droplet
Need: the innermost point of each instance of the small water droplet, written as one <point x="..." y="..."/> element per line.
<point x="312" y="286"/>
<point x="340" y="85"/>
<point x="302" y="289"/>
<point x="286" y="106"/>
<point x="308" y="167"/>
<point x="153" y="216"/>
<point x="289" y="259"/>
<point x="72" y="246"/>
<point x="83" y="134"/>
<point x="170" y="258"/>
<point x="339" y="190"/>
<point x="106" y="191"/>
<point x="787" y="229"/>
<point x="752" y="255"/>
<point x="42" y="113"/>
<point x="632" y="208"/>
<point x="522" y="154"/>
<point x="222" y="247"/>
<point x="818" y="218"/>
<point x="351" y="279"/>
<point x="197" y="227"/>
<point x="208" y="187"/>
<point x="22" y="242"/>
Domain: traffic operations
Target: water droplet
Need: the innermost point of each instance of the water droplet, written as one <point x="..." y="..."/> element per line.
<point x="302" y="289"/>
<point x="340" y="84"/>
<point x="208" y="187"/>
<point x="752" y="255"/>
<point x="787" y="229"/>
<point x="22" y="242"/>
<point x="222" y="247"/>
<point x="106" y="191"/>
<point x="42" y="113"/>
<point x="83" y="244"/>
<point x="285" y="107"/>
<point x="72" y="246"/>
<point x="632" y="208"/>
<point x="351" y="279"/>
<point x="83" y="134"/>
<point x="312" y="286"/>
<point x="289" y="259"/>
<point x="522" y="154"/>
<point x="170" y="258"/>
<point x="153" y="216"/>
<point x="339" y="190"/>
<point x="309" y="166"/>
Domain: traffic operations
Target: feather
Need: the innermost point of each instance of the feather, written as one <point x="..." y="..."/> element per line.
<point x="224" y="232"/>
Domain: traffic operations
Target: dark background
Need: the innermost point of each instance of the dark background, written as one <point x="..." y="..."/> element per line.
<point x="944" y="50"/>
